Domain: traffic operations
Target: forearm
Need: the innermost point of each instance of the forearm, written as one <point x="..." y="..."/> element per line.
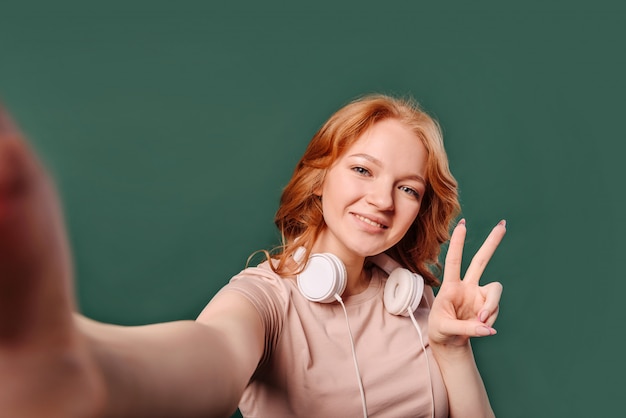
<point x="182" y="369"/>
<point x="467" y="395"/>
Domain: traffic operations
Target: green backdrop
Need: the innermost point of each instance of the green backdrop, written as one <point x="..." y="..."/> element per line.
<point x="172" y="129"/>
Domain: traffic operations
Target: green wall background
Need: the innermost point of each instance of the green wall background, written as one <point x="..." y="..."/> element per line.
<point x="172" y="129"/>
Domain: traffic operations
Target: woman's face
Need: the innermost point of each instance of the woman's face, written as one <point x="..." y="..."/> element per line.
<point x="373" y="192"/>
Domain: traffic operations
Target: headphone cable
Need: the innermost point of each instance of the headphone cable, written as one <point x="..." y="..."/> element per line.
<point x="432" y="396"/>
<point x="356" y="364"/>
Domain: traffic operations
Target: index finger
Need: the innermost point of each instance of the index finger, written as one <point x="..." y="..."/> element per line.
<point x="485" y="252"/>
<point x="454" y="257"/>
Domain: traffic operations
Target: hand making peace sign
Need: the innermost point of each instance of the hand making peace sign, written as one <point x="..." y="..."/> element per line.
<point x="463" y="308"/>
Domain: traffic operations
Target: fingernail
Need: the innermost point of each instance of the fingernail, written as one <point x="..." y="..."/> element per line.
<point x="483" y="316"/>
<point x="461" y="222"/>
<point x="483" y="331"/>
<point x="502" y="222"/>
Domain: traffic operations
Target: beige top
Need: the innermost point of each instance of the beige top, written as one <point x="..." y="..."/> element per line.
<point x="307" y="368"/>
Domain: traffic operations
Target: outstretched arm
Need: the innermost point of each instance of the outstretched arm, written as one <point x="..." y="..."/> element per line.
<point x="183" y="368"/>
<point x="463" y="309"/>
<point x="56" y="365"/>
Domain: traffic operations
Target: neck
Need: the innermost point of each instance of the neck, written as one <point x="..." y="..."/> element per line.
<point x="358" y="278"/>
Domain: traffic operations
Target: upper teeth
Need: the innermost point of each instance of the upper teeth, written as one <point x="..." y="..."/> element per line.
<point x="369" y="221"/>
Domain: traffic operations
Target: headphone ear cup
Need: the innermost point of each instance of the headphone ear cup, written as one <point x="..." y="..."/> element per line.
<point x="403" y="292"/>
<point x="323" y="277"/>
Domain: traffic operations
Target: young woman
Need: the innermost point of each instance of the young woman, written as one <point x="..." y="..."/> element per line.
<point x="313" y="331"/>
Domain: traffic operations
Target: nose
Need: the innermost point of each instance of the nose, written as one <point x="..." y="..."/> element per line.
<point x="381" y="196"/>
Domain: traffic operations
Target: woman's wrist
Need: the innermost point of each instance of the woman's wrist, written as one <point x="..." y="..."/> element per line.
<point x="452" y="351"/>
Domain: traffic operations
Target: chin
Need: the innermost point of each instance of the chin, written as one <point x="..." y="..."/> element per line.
<point x="369" y="251"/>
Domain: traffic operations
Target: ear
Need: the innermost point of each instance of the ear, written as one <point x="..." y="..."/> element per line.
<point x="317" y="191"/>
<point x="318" y="186"/>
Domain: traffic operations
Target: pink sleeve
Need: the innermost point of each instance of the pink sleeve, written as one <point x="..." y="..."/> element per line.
<point x="269" y="294"/>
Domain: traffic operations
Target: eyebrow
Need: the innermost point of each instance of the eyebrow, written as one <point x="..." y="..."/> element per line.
<point x="379" y="163"/>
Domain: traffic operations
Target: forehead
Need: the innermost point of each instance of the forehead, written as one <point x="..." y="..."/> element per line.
<point x="393" y="143"/>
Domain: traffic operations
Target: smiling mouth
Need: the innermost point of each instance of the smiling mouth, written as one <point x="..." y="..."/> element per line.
<point x="370" y="222"/>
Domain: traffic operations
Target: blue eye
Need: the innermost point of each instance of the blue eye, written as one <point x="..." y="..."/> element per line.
<point x="410" y="191"/>
<point x="361" y="170"/>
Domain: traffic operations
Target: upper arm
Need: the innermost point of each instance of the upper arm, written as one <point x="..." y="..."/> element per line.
<point x="238" y="321"/>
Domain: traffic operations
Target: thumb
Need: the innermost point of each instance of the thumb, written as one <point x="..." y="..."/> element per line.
<point x="450" y="328"/>
<point x="35" y="268"/>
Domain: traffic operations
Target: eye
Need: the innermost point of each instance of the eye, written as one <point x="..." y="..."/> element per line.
<point x="410" y="191"/>
<point x="361" y="170"/>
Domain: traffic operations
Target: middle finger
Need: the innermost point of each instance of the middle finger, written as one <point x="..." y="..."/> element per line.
<point x="485" y="252"/>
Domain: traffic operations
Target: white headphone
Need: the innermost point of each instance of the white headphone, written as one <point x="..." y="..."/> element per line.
<point x="324" y="278"/>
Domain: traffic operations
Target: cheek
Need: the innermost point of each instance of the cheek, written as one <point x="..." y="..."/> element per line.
<point x="338" y="190"/>
<point x="411" y="212"/>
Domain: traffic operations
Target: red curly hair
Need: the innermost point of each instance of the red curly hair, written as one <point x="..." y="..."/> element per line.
<point x="300" y="213"/>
